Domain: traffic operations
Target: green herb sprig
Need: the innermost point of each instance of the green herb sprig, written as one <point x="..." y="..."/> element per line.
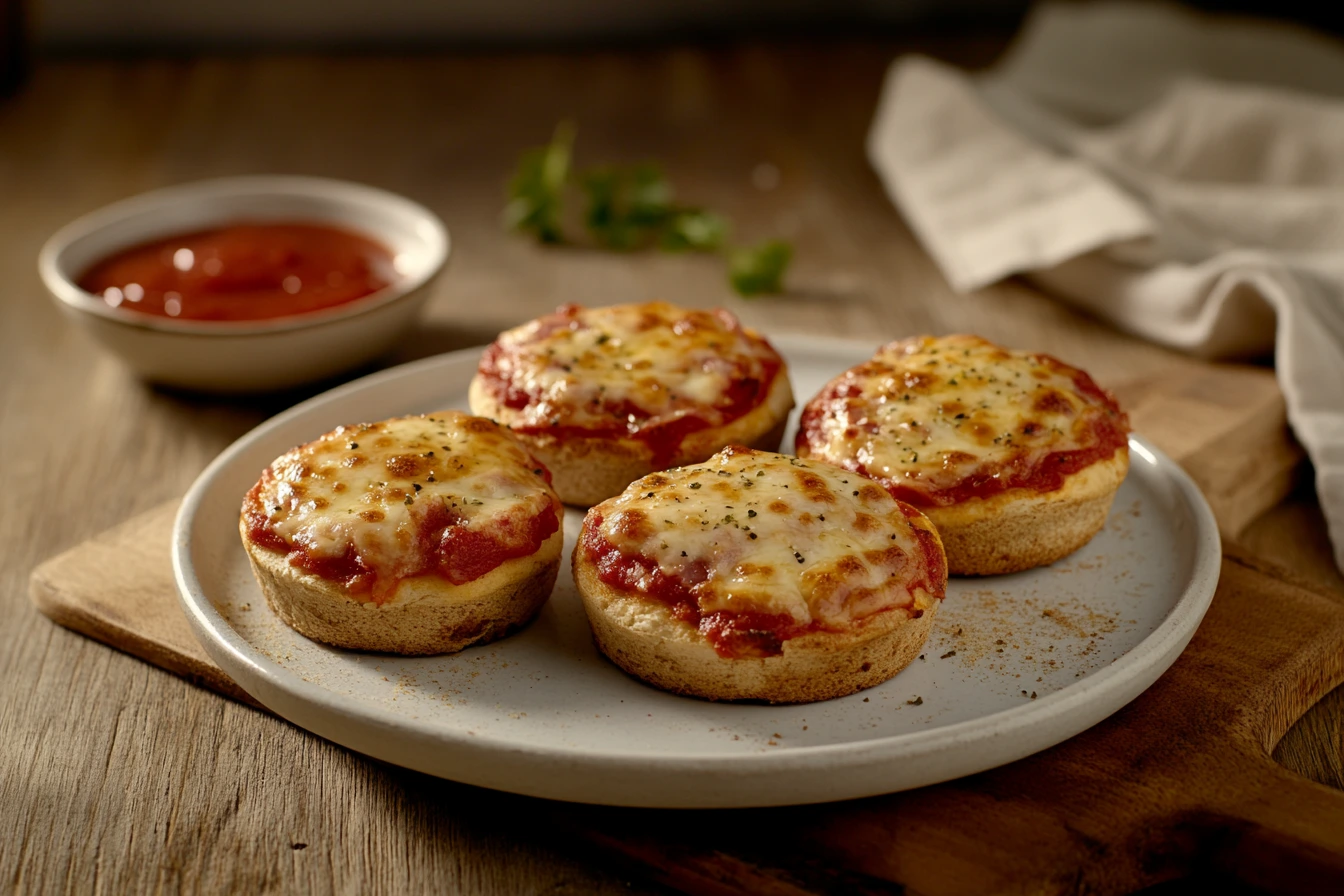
<point x="627" y="206"/>
<point x="632" y="207"/>
<point x="536" y="192"/>
<point x="759" y="269"/>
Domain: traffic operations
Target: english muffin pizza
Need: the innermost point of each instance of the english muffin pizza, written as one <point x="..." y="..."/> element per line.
<point x="756" y="576"/>
<point x="1014" y="456"/>
<point x="603" y="396"/>
<point x="415" y="535"/>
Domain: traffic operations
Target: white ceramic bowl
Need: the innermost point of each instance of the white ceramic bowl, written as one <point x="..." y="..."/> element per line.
<point x="249" y="356"/>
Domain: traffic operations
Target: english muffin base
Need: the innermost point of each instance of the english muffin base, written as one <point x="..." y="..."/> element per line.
<point x="586" y="471"/>
<point x="426" y="615"/>
<point x="1022" y="528"/>
<point x="643" y="638"/>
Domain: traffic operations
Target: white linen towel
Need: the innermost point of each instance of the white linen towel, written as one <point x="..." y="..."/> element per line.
<point x="1179" y="175"/>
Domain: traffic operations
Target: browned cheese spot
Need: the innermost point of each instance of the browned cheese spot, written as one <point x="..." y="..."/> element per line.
<point x="982" y="432"/>
<point x="849" y="566"/>
<point x="871" y="491"/>
<point x="866" y="522"/>
<point x="353" y="460"/>
<point x="371" y="516"/>
<point x="814" y="487"/>
<point x="408" y="466"/>
<point x="918" y="380"/>
<point x="477" y="424"/>
<point x="954" y="458"/>
<point x="1052" y="401"/>
<point x="632" y="525"/>
<point x="777" y="506"/>
<point x="892" y="557"/>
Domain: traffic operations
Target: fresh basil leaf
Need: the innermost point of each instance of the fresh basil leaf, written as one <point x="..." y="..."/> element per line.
<point x="756" y="270"/>
<point x="627" y="205"/>
<point x="631" y="207"/>
<point x="650" y="195"/>
<point x="694" y="230"/>
<point x="536" y="192"/>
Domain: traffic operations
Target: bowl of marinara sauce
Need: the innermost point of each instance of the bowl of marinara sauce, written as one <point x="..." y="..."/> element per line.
<point x="247" y="284"/>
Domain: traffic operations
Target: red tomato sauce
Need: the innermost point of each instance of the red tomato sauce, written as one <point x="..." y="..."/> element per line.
<point x="733" y="635"/>
<point x="445" y="547"/>
<point x="246" y="271"/>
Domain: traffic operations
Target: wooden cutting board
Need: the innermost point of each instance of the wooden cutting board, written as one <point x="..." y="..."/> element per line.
<point x="1178" y="782"/>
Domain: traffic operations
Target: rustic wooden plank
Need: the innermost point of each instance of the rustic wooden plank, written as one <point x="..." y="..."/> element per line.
<point x="118" y="777"/>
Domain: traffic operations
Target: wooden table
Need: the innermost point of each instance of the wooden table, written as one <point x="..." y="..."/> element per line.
<point x="115" y="775"/>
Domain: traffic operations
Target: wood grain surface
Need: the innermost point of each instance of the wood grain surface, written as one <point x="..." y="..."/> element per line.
<point x="120" y="778"/>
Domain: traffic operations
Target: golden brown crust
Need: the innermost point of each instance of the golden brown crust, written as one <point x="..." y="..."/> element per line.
<point x="589" y="470"/>
<point x="643" y="638"/>
<point x="426" y="614"/>
<point x="1022" y="528"/>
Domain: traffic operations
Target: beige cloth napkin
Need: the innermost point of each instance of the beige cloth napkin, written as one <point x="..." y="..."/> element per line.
<point x="1178" y="175"/>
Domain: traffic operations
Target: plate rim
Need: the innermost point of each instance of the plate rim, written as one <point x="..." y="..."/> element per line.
<point x="1158" y="650"/>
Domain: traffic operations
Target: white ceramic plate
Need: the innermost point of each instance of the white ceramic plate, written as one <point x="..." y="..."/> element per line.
<point x="1015" y="664"/>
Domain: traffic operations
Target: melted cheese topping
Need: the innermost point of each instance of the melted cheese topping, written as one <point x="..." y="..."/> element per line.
<point x="931" y="414"/>
<point x="636" y="366"/>
<point x="756" y="532"/>
<point x="379" y="489"/>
